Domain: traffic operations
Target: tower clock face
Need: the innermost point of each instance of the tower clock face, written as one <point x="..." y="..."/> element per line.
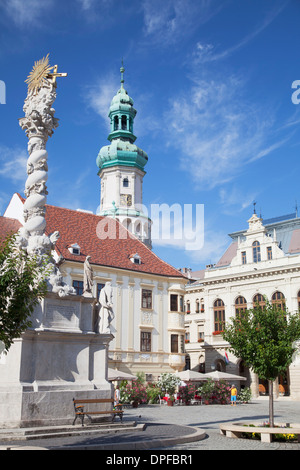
<point x="126" y="200"/>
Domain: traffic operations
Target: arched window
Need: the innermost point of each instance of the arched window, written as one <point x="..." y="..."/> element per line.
<point x="116" y="123"/>
<point x="256" y="252"/>
<point x="124" y="123"/>
<point x="259" y="299"/>
<point x="125" y="182"/>
<point x="279" y="300"/>
<point x="219" y="315"/>
<point x="127" y="224"/>
<point x="197" y="306"/>
<point x="240" y="306"/>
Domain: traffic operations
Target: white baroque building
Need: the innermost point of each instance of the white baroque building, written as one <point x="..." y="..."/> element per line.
<point x="263" y="260"/>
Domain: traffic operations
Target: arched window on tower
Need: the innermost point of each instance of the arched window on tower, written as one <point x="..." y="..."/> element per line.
<point x="256" y="252"/>
<point x="124" y="123"/>
<point x="125" y="182"/>
<point x="116" y="123"/>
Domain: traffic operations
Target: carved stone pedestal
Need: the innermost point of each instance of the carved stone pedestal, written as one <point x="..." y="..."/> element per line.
<point x="59" y="358"/>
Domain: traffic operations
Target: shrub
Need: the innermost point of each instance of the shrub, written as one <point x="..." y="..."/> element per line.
<point x="245" y="395"/>
<point x="187" y="392"/>
<point x="217" y="392"/>
<point x="135" y="393"/>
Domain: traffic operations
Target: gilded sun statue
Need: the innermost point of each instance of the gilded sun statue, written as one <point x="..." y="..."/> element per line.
<point x="41" y="73"/>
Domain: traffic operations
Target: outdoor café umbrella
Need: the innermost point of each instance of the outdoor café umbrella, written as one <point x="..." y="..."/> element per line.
<point x="114" y="374"/>
<point x="191" y="376"/>
<point x="217" y="375"/>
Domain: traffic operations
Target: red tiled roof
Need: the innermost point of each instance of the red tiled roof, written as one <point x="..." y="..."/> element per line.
<point x="8" y="227"/>
<point x="114" y="247"/>
<point x="115" y="251"/>
<point x="82" y="228"/>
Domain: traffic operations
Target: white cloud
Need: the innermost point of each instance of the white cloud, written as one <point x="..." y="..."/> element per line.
<point x="215" y="244"/>
<point x="216" y="131"/>
<point x="235" y="200"/>
<point x="13" y="162"/>
<point x="208" y="52"/>
<point x="168" y="21"/>
<point x="98" y="96"/>
<point x="86" y="4"/>
<point x="26" y="13"/>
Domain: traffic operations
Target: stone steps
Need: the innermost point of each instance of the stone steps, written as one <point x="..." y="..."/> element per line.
<point x="25" y="434"/>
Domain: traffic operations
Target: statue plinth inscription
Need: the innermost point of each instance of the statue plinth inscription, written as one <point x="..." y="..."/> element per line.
<point x="62" y="316"/>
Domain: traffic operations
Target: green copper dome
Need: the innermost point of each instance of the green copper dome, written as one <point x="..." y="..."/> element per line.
<point x="122" y="150"/>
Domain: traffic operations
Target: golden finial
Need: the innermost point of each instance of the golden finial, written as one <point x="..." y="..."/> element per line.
<point x="41" y="73"/>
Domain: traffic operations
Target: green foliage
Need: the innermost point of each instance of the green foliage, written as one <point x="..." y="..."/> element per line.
<point x="153" y="393"/>
<point x="22" y="285"/>
<point x="245" y="395"/>
<point x="264" y="338"/>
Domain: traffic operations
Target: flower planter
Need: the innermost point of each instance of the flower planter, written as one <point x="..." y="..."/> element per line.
<point x="170" y="402"/>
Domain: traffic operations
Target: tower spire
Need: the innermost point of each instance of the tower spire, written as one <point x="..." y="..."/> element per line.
<point x="122" y="70"/>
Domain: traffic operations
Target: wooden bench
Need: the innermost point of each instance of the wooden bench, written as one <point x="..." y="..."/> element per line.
<point x="79" y="408"/>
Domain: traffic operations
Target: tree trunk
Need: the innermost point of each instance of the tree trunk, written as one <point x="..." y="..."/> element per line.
<point x="271" y="404"/>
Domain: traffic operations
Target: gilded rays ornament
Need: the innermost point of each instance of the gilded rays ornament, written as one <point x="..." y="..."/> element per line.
<point x="41" y="73"/>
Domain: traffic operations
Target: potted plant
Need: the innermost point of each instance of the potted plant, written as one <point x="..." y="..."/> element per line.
<point x="170" y="401"/>
<point x="168" y="383"/>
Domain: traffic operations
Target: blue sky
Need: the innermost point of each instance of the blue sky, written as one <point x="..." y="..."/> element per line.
<point x="211" y="81"/>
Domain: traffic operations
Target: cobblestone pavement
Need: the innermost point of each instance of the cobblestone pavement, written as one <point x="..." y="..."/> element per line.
<point x="163" y="421"/>
<point x="209" y="417"/>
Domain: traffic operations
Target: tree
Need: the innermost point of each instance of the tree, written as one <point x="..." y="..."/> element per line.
<point x="22" y="285"/>
<point x="264" y="338"/>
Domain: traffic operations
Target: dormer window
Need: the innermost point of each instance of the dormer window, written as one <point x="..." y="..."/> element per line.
<point x="135" y="259"/>
<point x="74" y="249"/>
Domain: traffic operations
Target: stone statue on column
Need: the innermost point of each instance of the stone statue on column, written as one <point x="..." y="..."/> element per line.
<point x="87" y="278"/>
<point x="39" y="123"/>
<point x="106" y="314"/>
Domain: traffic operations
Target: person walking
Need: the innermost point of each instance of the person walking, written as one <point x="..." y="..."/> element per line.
<point x="233" y="392"/>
